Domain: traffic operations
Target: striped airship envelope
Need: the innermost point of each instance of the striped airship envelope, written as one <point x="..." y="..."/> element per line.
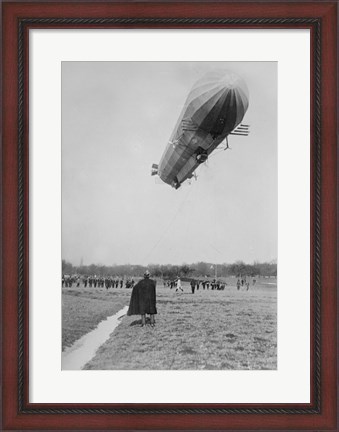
<point x="218" y="102"/>
<point x="214" y="107"/>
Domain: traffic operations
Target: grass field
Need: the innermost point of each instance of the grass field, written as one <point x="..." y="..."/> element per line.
<point x="227" y="329"/>
<point x="84" y="308"/>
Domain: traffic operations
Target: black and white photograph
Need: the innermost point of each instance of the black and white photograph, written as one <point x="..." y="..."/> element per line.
<point x="169" y="215"/>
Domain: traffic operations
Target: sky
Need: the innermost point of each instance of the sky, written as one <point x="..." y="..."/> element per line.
<point x="117" y="118"/>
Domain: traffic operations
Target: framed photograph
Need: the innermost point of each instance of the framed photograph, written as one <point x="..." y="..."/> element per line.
<point x="169" y="196"/>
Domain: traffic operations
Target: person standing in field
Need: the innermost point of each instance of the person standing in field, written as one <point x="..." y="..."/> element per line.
<point x="143" y="299"/>
<point x="192" y="286"/>
<point x="179" y="285"/>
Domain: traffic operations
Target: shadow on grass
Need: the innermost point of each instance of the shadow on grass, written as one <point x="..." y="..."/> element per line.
<point x="135" y="323"/>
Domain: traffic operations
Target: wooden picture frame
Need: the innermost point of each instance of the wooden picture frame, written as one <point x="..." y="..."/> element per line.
<point x="18" y="413"/>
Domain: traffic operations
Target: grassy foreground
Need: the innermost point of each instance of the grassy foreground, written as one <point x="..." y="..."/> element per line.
<point x="84" y="308"/>
<point x="227" y="329"/>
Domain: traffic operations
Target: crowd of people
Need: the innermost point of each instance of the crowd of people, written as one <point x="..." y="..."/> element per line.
<point x="244" y="282"/>
<point x="196" y="284"/>
<point x="95" y="281"/>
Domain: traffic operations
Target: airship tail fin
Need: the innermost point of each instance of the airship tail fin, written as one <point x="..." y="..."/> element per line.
<point x="154" y="169"/>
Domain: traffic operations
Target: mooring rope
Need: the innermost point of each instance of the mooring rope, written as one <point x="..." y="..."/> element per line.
<point x="163" y="234"/>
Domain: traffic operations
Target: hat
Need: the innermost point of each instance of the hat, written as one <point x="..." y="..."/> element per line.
<point x="147" y="274"/>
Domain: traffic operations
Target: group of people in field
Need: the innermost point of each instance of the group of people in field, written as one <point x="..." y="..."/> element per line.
<point x="206" y="284"/>
<point x="95" y="281"/>
<point x="195" y="284"/>
<point x="143" y="297"/>
<point x="214" y="284"/>
<point x="243" y="282"/>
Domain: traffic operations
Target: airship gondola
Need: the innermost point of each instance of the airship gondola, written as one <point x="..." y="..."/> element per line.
<point x="214" y="109"/>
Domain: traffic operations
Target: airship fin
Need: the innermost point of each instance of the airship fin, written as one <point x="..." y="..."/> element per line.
<point x="154" y="169"/>
<point x="241" y="130"/>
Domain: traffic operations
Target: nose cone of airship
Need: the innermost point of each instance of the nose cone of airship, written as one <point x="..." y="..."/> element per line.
<point x="218" y="102"/>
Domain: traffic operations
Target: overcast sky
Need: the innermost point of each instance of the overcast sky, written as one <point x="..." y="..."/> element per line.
<point x="117" y="118"/>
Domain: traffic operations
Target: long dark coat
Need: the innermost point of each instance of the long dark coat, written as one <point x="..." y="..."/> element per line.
<point x="143" y="298"/>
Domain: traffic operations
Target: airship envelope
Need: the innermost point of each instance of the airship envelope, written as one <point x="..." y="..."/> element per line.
<point x="215" y="106"/>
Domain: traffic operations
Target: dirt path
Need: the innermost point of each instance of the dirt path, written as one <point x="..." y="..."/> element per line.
<point x="82" y="351"/>
<point x="84" y="308"/>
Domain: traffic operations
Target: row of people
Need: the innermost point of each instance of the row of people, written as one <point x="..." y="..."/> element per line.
<point x="114" y="282"/>
<point x="195" y="284"/>
<point x="214" y="284"/>
<point x="96" y="281"/>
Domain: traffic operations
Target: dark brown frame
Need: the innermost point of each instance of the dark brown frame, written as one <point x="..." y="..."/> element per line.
<point x="18" y="18"/>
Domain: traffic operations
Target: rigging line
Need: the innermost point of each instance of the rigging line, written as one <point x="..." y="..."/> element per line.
<point x="217" y="250"/>
<point x="214" y="234"/>
<point x="219" y="150"/>
<point x="169" y="225"/>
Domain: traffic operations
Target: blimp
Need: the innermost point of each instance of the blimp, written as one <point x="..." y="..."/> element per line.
<point x="214" y="109"/>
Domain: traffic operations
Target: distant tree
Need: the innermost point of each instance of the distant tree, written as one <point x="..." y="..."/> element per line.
<point x="168" y="271"/>
<point x="67" y="267"/>
<point x="224" y="270"/>
<point x="155" y="270"/>
<point x="237" y="268"/>
<point x="267" y="269"/>
<point x="202" y="268"/>
<point x="93" y="269"/>
<point x="185" y="270"/>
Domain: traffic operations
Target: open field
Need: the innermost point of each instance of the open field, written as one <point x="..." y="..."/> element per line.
<point x="227" y="329"/>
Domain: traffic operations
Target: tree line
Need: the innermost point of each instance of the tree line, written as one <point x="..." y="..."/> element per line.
<point x="169" y="271"/>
